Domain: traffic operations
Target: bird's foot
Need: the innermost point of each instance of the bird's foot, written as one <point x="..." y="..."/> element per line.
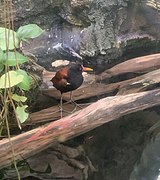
<point x="75" y="106"/>
<point x="80" y="106"/>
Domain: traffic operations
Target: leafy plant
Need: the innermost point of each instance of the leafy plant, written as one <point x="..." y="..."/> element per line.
<point x="13" y="80"/>
<point x="25" y="84"/>
<point x="29" y="31"/>
<point x="9" y="36"/>
<point x="14" y="58"/>
<point x="10" y="79"/>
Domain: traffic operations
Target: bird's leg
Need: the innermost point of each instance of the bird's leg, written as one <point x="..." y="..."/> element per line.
<point x="61" y="107"/>
<point x="73" y="102"/>
<point x="71" y="96"/>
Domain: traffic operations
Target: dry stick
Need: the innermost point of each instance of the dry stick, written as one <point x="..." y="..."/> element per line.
<point x="103" y="111"/>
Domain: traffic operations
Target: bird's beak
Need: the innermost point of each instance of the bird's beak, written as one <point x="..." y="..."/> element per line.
<point x="87" y="69"/>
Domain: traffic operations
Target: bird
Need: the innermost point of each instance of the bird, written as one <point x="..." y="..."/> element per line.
<point x="68" y="79"/>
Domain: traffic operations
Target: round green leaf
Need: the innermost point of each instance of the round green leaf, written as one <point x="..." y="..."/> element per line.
<point x="8" y="34"/>
<point x="29" y="31"/>
<point x="26" y="83"/>
<point x="18" y="98"/>
<point x="10" y="79"/>
<point x="21" y="114"/>
<point x="14" y="58"/>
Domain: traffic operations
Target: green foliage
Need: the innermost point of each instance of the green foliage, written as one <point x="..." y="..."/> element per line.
<point x="26" y="83"/>
<point x="1" y="67"/>
<point x="12" y="77"/>
<point x="21" y="114"/>
<point x="29" y="31"/>
<point x="8" y="37"/>
<point x="18" y="98"/>
<point x="12" y="39"/>
<point x="14" y="58"/>
<point x="1" y="60"/>
<point x="1" y="55"/>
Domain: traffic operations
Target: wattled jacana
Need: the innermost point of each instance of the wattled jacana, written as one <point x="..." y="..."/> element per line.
<point x="68" y="79"/>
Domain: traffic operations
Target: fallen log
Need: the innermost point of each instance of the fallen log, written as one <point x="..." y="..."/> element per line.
<point x="136" y="65"/>
<point x="145" y="82"/>
<point x="95" y="115"/>
<point x="51" y="113"/>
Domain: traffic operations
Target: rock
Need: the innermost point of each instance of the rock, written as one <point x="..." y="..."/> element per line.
<point x="58" y="63"/>
<point x="58" y="162"/>
<point x="98" y="29"/>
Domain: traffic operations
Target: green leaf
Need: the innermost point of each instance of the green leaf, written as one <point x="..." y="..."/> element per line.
<point x="26" y="83"/>
<point x="1" y="55"/>
<point x="18" y="98"/>
<point x="21" y="114"/>
<point x="14" y="58"/>
<point x="11" y="37"/>
<point x="1" y="67"/>
<point x="1" y="60"/>
<point x="10" y="79"/>
<point x="29" y="31"/>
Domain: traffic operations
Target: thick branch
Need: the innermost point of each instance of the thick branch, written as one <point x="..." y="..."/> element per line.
<point x="135" y="65"/>
<point x="133" y="85"/>
<point x="103" y="111"/>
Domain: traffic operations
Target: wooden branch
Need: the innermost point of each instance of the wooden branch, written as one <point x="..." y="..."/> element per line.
<point x="51" y="113"/>
<point x="141" y="83"/>
<point x="84" y="92"/>
<point x="103" y="111"/>
<point x="133" y="85"/>
<point x="135" y="65"/>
